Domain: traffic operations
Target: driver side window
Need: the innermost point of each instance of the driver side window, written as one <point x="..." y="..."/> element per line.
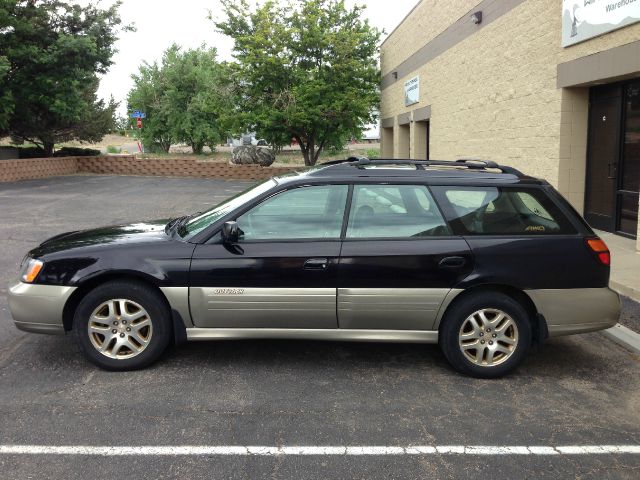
<point x="313" y="212"/>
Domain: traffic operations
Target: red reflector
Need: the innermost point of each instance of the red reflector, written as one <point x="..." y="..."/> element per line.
<point x="600" y="248"/>
<point x="605" y="258"/>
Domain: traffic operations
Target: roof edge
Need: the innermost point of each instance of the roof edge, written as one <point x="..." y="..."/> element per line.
<point x="401" y="22"/>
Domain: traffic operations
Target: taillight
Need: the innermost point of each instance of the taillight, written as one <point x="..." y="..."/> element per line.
<point x="601" y="250"/>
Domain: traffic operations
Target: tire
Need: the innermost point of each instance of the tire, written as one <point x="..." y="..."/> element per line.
<point x="122" y="325"/>
<point x="505" y="325"/>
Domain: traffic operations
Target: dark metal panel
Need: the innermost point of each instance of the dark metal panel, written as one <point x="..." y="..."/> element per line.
<point x="612" y="65"/>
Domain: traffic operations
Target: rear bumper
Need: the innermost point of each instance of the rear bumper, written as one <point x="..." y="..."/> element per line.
<point x="38" y="308"/>
<point x="577" y="310"/>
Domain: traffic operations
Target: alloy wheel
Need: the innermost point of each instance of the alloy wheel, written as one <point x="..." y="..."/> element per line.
<point x="488" y="337"/>
<point x="120" y="328"/>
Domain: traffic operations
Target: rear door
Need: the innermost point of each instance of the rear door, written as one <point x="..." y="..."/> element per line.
<point x="399" y="259"/>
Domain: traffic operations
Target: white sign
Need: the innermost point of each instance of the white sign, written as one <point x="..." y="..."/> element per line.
<point x="412" y="91"/>
<point x="585" y="19"/>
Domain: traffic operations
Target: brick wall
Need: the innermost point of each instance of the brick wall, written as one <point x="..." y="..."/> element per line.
<point x="12" y="170"/>
<point x="176" y="167"/>
<point x="28" y="168"/>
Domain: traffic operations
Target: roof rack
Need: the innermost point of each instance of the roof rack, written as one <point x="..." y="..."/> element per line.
<point x="470" y="163"/>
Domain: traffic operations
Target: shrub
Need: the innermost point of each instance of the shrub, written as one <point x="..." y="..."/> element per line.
<point x="112" y="149"/>
<point x="373" y="153"/>
<point x="76" y="152"/>
<point x="31" y="152"/>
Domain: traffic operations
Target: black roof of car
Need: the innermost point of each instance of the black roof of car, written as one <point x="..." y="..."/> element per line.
<point x="463" y="171"/>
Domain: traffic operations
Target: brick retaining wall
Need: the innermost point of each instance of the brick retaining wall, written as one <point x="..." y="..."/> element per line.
<point x="28" y="168"/>
<point x="12" y="170"/>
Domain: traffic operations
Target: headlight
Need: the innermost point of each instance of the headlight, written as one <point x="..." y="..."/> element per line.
<point x="30" y="270"/>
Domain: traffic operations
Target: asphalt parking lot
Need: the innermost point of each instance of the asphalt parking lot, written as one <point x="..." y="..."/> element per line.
<point x="573" y="391"/>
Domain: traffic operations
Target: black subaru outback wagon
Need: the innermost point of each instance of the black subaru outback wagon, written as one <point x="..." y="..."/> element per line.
<point x="472" y="255"/>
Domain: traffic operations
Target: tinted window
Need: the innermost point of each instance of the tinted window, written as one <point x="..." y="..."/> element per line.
<point x="203" y="220"/>
<point x="306" y="212"/>
<point x="503" y="211"/>
<point x="394" y="211"/>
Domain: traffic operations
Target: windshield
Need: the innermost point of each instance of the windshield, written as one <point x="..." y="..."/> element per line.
<point x="203" y="220"/>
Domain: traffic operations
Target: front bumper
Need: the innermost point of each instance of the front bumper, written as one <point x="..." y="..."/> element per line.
<point x="38" y="308"/>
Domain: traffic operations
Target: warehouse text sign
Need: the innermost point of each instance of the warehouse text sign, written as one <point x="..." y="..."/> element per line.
<point x="584" y="19"/>
<point x="412" y="91"/>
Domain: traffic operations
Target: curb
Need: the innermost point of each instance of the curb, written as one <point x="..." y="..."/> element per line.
<point x="624" y="336"/>
<point x="632" y="293"/>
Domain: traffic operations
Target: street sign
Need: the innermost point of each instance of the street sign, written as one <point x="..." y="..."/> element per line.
<point x="139" y="122"/>
<point x="138" y="114"/>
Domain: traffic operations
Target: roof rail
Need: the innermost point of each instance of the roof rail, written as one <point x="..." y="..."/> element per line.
<point x="470" y="163"/>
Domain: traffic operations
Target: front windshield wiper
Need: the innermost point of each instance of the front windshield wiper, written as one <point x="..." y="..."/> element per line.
<point x="177" y="223"/>
<point x="178" y="220"/>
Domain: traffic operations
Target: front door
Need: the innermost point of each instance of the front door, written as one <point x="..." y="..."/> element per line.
<point x="613" y="165"/>
<point x="399" y="259"/>
<point x="283" y="271"/>
<point x="629" y="185"/>
<point x="603" y="154"/>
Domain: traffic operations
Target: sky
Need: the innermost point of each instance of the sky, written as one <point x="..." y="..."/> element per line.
<point x="159" y="23"/>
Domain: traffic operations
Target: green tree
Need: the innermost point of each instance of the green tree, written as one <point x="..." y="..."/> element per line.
<point x="306" y="70"/>
<point x="186" y="98"/>
<point x="6" y="100"/>
<point x="148" y="96"/>
<point x="55" y="51"/>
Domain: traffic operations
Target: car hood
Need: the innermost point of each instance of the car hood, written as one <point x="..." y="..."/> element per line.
<point x="105" y="236"/>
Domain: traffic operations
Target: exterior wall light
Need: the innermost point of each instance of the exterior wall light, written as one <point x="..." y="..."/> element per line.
<point x="476" y="18"/>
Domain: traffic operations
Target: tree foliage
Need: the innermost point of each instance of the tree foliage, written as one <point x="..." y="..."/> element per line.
<point x="186" y="98"/>
<point x="306" y="70"/>
<point x="51" y="53"/>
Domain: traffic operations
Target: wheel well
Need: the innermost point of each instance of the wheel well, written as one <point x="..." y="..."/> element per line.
<point x="538" y="322"/>
<point x="76" y="297"/>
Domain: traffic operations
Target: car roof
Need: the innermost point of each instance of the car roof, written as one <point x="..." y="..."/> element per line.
<point x="463" y="171"/>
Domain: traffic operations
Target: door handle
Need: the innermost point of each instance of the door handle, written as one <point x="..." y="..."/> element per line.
<point x="452" y="262"/>
<point x="316" y="264"/>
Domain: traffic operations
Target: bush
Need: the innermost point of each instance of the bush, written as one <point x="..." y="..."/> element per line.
<point x="112" y="149"/>
<point x="373" y="153"/>
<point x="30" y="152"/>
<point x="76" y="152"/>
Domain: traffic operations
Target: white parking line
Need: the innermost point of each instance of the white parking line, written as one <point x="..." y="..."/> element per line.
<point x="181" y="450"/>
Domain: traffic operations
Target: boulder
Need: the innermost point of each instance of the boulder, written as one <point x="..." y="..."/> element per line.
<point x="252" y="155"/>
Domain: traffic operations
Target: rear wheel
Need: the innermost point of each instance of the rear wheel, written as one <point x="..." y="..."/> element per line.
<point x="122" y="325"/>
<point x="485" y="335"/>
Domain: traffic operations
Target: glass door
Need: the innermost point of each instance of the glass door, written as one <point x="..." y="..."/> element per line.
<point x="629" y="172"/>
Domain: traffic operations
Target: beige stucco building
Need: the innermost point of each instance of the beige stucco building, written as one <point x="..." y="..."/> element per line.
<point x="491" y="79"/>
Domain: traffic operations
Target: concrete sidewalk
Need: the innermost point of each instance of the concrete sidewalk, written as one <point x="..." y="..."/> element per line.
<point x="625" y="264"/>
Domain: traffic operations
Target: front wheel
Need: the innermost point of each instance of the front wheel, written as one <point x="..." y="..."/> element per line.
<point x="485" y="335"/>
<point x="122" y="325"/>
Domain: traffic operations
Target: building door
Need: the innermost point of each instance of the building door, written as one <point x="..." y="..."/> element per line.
<point x="629" y="185"/>
<point x="603" y="153"/>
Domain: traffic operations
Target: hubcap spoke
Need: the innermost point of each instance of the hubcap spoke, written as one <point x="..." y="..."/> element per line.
<point x="120" y="328"/>
<point x="488" y="337"/>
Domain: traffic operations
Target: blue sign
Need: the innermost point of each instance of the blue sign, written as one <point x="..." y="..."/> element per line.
<point x="138" y="114"/>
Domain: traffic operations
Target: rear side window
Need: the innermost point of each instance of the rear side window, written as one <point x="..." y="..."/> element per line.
<point x="503" y="211"/>
<point x="394" y="211"/>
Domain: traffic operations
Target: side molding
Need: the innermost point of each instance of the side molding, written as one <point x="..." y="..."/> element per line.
<point x="359" y="335"/>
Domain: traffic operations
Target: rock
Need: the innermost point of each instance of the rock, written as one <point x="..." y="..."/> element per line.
<point x="252" y="155"/>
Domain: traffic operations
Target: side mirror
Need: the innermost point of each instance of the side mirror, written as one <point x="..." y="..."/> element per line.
<point x="230" y="232"/>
